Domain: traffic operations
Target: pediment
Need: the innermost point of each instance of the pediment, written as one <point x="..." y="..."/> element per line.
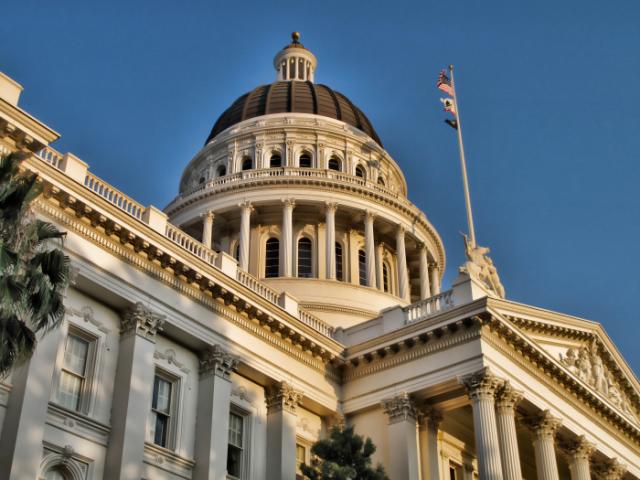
<point x="584" y="350"/>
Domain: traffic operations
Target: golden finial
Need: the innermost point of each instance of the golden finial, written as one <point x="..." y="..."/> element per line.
<point x="295" y="36"/>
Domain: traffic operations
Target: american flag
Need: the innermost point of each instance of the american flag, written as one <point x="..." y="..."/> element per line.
<point x="444" y="83"/>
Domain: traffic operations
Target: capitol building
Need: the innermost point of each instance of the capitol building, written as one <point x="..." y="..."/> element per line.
<point x="291" y="285"/>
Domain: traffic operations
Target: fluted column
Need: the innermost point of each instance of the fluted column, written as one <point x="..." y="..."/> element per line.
<point x="579" y="455"/>
<point x="245" y="230"/>
<point x="430" y="419"/>
<point x="403" y="278"/>
<point x="435" y="279"/>
<point x="425" y="284"/>
<point x="404" y="463"/>
<point x="481" y="388"/>
<point x="207" y="228"/>
<point x="330" y="215"/>
<point x="369" y="248"/>
<point x="282" y="401"/>
<point x="544" y="427"/>
<point x="506" y="400"/>
<point x="214" y="394"/>
<point x="379" y="268"/>
<point x="132" y="392"/>
<point x="286" y="244"/>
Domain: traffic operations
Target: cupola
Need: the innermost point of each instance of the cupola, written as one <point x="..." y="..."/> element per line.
<point x="294" y="62"/>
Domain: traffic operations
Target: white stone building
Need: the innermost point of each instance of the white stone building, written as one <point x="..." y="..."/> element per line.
<point x="290" y="285"/>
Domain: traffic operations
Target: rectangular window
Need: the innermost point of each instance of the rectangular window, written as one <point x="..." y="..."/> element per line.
<point x="161" y="410"/>
<point x="301" y="457"/>
<point x="72" y="389"/>
<point x="339" y="275"/>
<point x="235" y="451"/>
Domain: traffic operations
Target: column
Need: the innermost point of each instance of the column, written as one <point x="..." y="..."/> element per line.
<point x="430" y="420"/>
<point x="214" y="394"/>
<point x="403" y="279"/>
<point x="435" y="279"/>
<point x="481" y="387"/>
<point x="402" y="438"/>
<point x="207" y="228"/>
<point x="579" y="455"/>
<point x="286" y="242"/>
<point x="369" y="249"/>
<point x="282" y="401"/>
<point x="26" y="414"/>
<point x="245" y="229"/>
<point x="544" y="427"/>
<point x="379" y="268"/>
<point x="425" y="287"/>
<point x="506" y="400"/>
<point x="330" y="213"/>
<point x="132" y="392"/>
<point x="613" y="470"/>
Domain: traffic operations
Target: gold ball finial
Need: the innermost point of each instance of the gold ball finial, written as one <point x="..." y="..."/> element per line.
<point x="295" y="36"/>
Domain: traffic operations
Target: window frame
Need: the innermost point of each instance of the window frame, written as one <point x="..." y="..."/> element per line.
<point x="310" y="242"/>
<point x="277" y="264"/>
<point x="362" y="267"/>
<point x="246" y="441"/>
<point x="244" y="161"/>
<point x="273" y="155"/>
<point x="338" y="161"/>
<point x="362" y="170"/>
<point x="306" y="155"/>
<point x="339" y="259"/>
<point x="174" y="411"/>
<point x="301" y="442"/>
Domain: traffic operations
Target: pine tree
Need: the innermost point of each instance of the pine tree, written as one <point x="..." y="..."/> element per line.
<point x="33" y="273"/>
<point x="343" y="456"/>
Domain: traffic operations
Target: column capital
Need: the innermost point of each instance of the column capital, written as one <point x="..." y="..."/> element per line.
<point x="612" y="470"/>
<point x="579" y="449"/>
<point x="481" y="385"/>
<point x="246" y="205"/>
<point x="400" y="408"/>
<point x="289" y="202"/>
<point x="207" y="214"/>
<point x="282" y="396"/>
<point x="507" y="397"/>
<point x="217" y="361"/>
<point x="544" y="424"/>
<point x="369" y="215"/>
<point x="330" y="207"/>
<point x="141" y="320"/>
<point x="430" y="416"/>
<point x="400" y="230"/>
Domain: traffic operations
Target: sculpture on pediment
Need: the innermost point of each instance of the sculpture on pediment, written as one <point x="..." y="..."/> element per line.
<point x="480" y="266"/>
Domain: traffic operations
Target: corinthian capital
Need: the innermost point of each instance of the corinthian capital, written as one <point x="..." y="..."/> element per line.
<point x="612" y="470"/>
<point x="544" y="424"/>
<point x="282" y="396"/>
<point x="580" y="449"/>
<point x="507" y="397"/>
<point x="400" y="408"/>
<point x="481" y="385"/>
<point x="430" y="416"/>
<point x="142" y="321"/>
<point x="217" y="361"/>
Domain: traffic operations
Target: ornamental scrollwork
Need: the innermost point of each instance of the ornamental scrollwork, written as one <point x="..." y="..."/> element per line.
<point x="400" y="408"/>
<point x="142" y="321"/>
<point x="283" y="396"/>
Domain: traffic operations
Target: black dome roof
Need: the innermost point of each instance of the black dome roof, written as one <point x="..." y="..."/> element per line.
<point x="294" y="97"/>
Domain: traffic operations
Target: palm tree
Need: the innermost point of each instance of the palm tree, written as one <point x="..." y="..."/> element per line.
<point x="34" y="273"/>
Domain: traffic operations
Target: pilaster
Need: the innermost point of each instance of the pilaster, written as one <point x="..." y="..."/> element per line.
<point x="404" y="460"/>
<point x="429" y="419"/>
<point x="282" y="401"/>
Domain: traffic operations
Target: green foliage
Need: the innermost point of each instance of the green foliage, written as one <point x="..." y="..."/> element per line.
<point x="343" y="456"/>
<point x="33" y="273"/>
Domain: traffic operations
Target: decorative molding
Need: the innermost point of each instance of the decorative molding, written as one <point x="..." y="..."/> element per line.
<point x="543" y="424"/>
<point x="142" y="321"/>
<point x="400" y="408"/>
<point x="579" y="449"/>
<point x="507" y="397"/>
<point x="86" y="313"/>
<point x="611" y="470"/>
<point x="169" y="355"/>
<point x="217" y="361"/>
<point x="282" y="396"/>
<point x="481" y="385"/>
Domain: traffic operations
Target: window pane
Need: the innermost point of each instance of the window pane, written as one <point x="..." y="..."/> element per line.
<point x="234" y="461"/>
<point x="235" y="449"/>
<point x="276" y="161"/>
<point x="272" y="258"/>
<point x="304" y="258"/>
<point x="162" y="395"/>
<point x="300" y="454"/>
<point x="161" y="428"/>
<point x="75" y="354"/>
<point x="69" y="391"/>
<point x="339" y="261"/>
<point x="305" y="160"/>
<point x="236" y="425"/>
<point x="334" y="164"/>
<point x="55" y="473"/>
<point x="362" y="267"/>
<point x="385" y="277"/>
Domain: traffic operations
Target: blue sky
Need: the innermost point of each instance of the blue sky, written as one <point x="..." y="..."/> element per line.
<point x="548" y="95"/>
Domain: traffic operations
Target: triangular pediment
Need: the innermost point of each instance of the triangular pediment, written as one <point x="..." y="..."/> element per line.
<point x="584" y="350"/>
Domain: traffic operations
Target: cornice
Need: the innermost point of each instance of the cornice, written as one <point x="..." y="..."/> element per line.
<point x="331" y="307"/>
<point x="27" y="123"/>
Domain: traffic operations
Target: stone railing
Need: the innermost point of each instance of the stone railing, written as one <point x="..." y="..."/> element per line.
<point x="428" y="307"/>
<point x="189" y="243"/>
<point x="290" y="172"/>
<point x="113" y="196"/>
<point x="315" y="323"/>
<point x="257" y="286"/>
<point x="51" y="156"/>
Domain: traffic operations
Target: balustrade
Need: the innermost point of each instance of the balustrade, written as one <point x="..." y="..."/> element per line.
<point x="428" y="307"/>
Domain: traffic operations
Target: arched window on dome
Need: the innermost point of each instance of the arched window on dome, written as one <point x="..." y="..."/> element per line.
<point x="334" y="164"/>
<point x="275" y="161"/>
<point x="247" y="163"/>
<point x="304" y="161"/>
<point x="386" y="284"/>
<point x="362" y="267"/>
<point x="339" y="271"/>
<point x="221" y="171"/>
<point x="57" y="472"/>
<point x="305" y="257"/>
<point x="272" y="258"/>
<point x="360" y="172"/>
<point x="381" y="181"/>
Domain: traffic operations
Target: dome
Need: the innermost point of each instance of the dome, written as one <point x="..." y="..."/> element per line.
<point x="294" y="97"/>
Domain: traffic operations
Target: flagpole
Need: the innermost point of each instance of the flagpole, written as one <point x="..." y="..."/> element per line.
<point x="463" y="163"/>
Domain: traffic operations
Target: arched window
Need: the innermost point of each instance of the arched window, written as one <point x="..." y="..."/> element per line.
<point x="334" y="164"/>
<point x="275" y="161"/>
<point x="305" y="269"/>
<point x="362" y="267"/>
<point x="57" y="473"/>
<point x="386" y="286"/>
<point x="360" y="172"/>
<point x="272" y="258"/>
<point x="222" y="171"/>
<point x="305" y="160"/>
<point x="381" y="181"/>
<point x="339" y="275"/>
<point x="247" y="163"/>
